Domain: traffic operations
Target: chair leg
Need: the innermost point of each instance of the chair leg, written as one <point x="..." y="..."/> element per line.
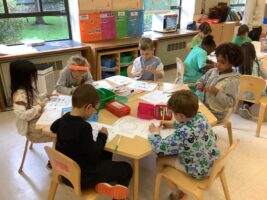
<point x="260" y="118"/>
<point x="229" y="130"/>
<point x="157" y="186"/>
<point x="24" y="156"/>
<point x="52" y="190"/>
<point x="31" y="145"/>
<point x="224" y="185"/>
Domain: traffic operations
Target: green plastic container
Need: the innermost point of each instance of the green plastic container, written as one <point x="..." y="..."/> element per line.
<point x="126" y="58"/>
<point x="124" y="73"/>
<point x="106" y="96"/>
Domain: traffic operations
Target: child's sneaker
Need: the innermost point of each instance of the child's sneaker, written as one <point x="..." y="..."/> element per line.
<point x="114" y="191"/>
<point x="245" y="113"/>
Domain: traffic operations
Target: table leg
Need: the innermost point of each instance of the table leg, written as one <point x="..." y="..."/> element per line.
<point x="136" y="179"/>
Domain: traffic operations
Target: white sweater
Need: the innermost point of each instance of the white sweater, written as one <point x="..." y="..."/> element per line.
<point x="254" y="13"/>
<point x="25" y="117"/>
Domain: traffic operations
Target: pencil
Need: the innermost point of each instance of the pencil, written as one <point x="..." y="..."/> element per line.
<point x="118" y="143"/>
<point x="163" y="113"/>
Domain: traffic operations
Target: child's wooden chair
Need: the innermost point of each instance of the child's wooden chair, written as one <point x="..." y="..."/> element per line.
<point x="129" y="71"/>
<point x="66" y="167"/>
<point x="227" y="124"/>
<point x="255" y="85"/>
<point x="194" y="186"/>
<point x="30" y="138"/>
<point x="179" y="70"/>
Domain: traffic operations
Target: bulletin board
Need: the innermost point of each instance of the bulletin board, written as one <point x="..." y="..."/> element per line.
<point x="86" y="5"/>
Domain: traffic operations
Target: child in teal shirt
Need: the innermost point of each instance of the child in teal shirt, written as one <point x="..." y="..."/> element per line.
<point x="242" y="35"/>
<point x="191" y="148"/>
<point x="196" y="61"/>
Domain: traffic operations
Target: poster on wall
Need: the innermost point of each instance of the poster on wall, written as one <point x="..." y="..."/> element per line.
<point x="90" y="27"/>
<point x="135" y="22"/>
<point x="121" y="24"/>
<point x="108" y="25"/>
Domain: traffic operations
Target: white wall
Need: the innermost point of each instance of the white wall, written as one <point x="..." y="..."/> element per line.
<point x="187" y="15"/>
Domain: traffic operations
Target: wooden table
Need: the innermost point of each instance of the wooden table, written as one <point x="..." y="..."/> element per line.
<point x="137" y="147"/>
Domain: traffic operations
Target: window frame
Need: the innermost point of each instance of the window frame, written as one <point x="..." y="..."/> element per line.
<point x="41" y="13"/>
<point x="178" y="7"/>
<point x="237" y="5"/>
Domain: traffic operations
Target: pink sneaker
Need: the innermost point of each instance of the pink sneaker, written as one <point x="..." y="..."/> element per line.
<point x="114" y="191"/>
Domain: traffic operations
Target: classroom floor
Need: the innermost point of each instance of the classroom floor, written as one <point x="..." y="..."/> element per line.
<point x="246" y="171"/>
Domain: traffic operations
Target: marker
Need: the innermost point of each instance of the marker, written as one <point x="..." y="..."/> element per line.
<point x="118" y="142"/>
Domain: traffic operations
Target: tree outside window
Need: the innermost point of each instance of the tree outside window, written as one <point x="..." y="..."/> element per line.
<point x="34" y="19"/>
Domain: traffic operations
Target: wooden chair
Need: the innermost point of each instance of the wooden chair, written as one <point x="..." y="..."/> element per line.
<point x="179" y="70"/>
<point x="255" y="85"/>
<point x="129" y="71"/>
<point x="64" y="166"/>
<point x="193" y="186"/>
<point x="30" y="138"/>
<point x="227" y="123"/>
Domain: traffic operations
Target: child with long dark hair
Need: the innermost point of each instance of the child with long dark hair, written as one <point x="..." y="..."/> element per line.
<point x="250" y="66"/>
<point x="26" y="102"/>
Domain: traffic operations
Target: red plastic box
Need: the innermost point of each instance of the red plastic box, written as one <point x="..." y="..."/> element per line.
<point x="149" y="111"/>
<point x="118" y="108"/>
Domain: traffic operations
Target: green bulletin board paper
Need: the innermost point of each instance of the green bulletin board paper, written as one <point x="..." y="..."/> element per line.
<point x="121" y="24"/>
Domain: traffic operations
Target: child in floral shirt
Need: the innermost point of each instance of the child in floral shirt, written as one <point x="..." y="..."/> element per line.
<point x="191" y="148"/>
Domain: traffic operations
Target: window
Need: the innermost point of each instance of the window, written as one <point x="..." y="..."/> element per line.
<point x="160" y="6"/>
<point x="238" y="6"/>
<point x="25" y="20"/>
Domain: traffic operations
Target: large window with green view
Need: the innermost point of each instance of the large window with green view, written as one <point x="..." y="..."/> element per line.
<point x="238" y="6"/>
<point x="24" y="20"/>
<point x="160" y="6"/>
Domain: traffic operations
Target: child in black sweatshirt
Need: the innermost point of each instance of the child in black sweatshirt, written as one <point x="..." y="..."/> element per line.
<point x="75" y="140"/>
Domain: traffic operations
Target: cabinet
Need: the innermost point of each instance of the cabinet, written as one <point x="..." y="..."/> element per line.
<point x="115" y="62"/>
<point x="223" y="32"/>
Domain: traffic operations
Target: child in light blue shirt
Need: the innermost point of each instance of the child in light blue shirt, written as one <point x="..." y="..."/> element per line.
<point x="147" y="66"/>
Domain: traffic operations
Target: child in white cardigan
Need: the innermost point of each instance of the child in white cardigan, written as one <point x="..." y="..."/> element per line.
<point x="26" y="102"/>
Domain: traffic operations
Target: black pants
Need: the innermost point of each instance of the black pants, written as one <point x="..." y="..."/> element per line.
<point x="114" y="172"/>
<point x="255" y="33"/>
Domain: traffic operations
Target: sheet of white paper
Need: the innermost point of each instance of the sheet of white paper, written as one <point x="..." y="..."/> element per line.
<point x="141" y="85"/>
<point x="97" y="127"/>
<point x="130" y="126"/>
<point x="156" y="97"/>
<point x="49" y="116"/>
<point x="102" y="84"/>
<point x="120" y="80"/>
<point x="58" y="102"/>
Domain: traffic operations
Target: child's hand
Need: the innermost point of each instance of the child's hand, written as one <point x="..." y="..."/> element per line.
<point x="149" y="68"/>
<point x="104" y="130"/>
<point x="166" y="125"/>
<point x="211" y="90"/>
<point x="142" y="72"/>
<point x="153" y="128"/>
<point x="42" y="104"/>
<point x="200" y="86"/>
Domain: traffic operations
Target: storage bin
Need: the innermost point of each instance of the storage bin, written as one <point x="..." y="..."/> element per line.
<point x="106" y="96"/>
<point x="126" y="58"/>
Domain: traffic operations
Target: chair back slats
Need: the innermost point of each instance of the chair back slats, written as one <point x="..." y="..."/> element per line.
<point x="179" y="70"/>
<point x="64" y="166"/>
<point x="252" y="84"/>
